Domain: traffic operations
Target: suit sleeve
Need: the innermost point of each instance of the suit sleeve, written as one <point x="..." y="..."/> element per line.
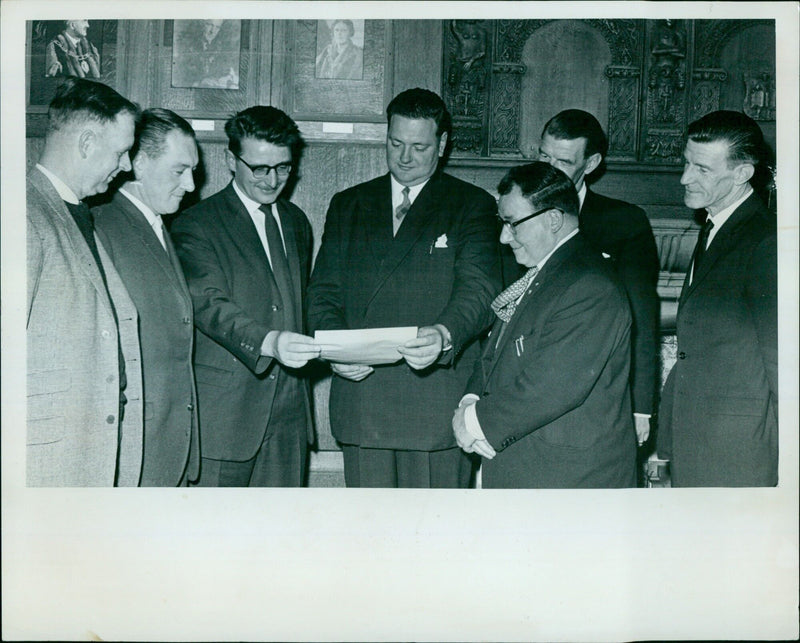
<point x="638" y="267"/>
<point x="583" y="329"/>
<point x="325" y="302"/>
<point x="664" y="428"/>
<point x="477" y="278"/>
<point x="762" y="297"/>
<point x="216" y="314"/>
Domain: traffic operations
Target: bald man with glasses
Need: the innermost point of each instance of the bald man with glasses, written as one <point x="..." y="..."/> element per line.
<point x="246" y="254"/>
<point x="548" y="404"/>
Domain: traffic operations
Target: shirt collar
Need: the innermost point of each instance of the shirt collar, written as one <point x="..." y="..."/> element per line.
<point x="251" y="206"/>
<point x="558" y="245"/>
<point x="413" y="191"/>
<point x="152" y="218"/>
<point x="63" y="190"/>
<point x="723" y="215"/>
<point x="582" y="195"/>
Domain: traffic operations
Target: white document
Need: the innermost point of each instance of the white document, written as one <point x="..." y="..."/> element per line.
<point x="370" y="346"/>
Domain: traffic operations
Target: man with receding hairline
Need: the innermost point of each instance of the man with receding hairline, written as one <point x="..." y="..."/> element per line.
<point x="164" y="157"/>
<point x="719" y="410"/>
<point x="84" y="378"/>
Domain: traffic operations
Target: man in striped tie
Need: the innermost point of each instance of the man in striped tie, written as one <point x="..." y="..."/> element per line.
<point x="548" y="404"/>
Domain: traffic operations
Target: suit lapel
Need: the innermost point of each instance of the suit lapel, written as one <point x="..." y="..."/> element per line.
<point x="73" y="234"/>
<point x="723" y="242"/>
<point x="242" y="232"/>
<point x="423" y="213"/>
<point x="148" y="237"/>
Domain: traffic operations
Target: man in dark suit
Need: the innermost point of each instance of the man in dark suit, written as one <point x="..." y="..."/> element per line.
<point x="574" y="142"/>
<point x="84" y="380"/>
<point x="130" y="227"/>
<point x="415" y="247"/>
<point x="548" y="404"/>
<point x="719" y="409"/>
<point x="246" y="254"/>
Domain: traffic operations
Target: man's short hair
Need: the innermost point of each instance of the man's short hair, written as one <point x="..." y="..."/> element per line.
<point x="152" y="129"/>
<point x="420" y="103"/>
<point x="264" y="123"/>
<point x="543" y="186"/>
<point x="575" y="123"/>
<point x="743" y="136"/>
<point x="78" y="99"/>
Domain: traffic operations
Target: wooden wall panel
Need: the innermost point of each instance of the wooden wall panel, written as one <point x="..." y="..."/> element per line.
<point x="417" y="55"/>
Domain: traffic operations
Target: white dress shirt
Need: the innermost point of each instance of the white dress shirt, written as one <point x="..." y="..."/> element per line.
<point x="64" y="192"/>
<point x="397" y="198"/>
<point x="257" y="215"/>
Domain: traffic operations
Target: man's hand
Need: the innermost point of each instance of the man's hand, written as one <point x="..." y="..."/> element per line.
<point x="423" y="351"/>
<point x="464" y="438"/>
<point x="290" y="349"/>
<point x="642" y="425"/>
<point x="353" y="372"/>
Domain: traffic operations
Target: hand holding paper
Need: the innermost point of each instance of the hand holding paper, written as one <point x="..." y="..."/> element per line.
<point x="366" y="346"/>
<point x="290" y="349"/>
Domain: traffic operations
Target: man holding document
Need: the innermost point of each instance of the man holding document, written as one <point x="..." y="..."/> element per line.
<point x="415" y="251"/>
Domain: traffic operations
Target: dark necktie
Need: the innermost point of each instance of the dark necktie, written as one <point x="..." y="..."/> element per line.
<point x="280" y="265"/>
<point x="702" y="242"/>
<point x="402" y="209"/>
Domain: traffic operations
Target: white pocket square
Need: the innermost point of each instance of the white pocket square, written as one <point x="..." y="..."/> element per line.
<point x="606" y="255"/>
<point x="441" y="242"/>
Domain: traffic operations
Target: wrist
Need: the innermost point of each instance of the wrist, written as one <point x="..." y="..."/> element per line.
<point x="447" y="343"/>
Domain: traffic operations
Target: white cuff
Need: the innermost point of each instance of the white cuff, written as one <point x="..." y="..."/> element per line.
<point x="471" y="422"/>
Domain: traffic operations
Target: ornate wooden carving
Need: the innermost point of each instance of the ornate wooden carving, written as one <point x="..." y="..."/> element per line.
<point x="711" y="36"/>
<point x="623" y="91"/>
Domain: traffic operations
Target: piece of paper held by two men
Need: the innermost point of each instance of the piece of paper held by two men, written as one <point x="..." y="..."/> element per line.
<point x="370" y="346"/>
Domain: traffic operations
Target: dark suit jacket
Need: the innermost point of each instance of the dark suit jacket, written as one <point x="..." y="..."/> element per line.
<point x="76" y="326"/>
<point x="719" y="412"/>
<point x="442" y="267"/>
<point x="558" y="411"/>
<point x="623" y="231"/>
<point x="155" y="282"/>
<point x="236" y="303"/>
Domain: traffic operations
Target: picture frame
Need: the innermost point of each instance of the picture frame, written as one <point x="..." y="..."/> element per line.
<point x="316" y="93"/>
<point x="56" y="50"/>
<point x="206" y="53"/>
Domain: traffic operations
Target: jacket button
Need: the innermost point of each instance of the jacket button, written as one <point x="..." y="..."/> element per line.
<point x="190" y="407"/>
<point x="110" y="419"/>
<point x="110" y="379"/>
<point x="275" y="307"/>
<point x="271" y="376"/>
<point x="681" y="355"/>
<point x="105" y="334"/>
<point x="186" y="320"/>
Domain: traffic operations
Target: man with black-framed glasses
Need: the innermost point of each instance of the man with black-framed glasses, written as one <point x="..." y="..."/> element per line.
<point x="246" y="253"/>
<point x="548" y="404"/>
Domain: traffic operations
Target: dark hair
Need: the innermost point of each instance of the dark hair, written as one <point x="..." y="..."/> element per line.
<point x="575" y="123"/>
<point x="80" y="99"/>
<point x="347" y="23"/>
<point x="743" y="136"/>
<point x="543" y="185"/>
<point x="264" y="123"/>
<point x="152" y="129"/>
<point x="420" y="103"/>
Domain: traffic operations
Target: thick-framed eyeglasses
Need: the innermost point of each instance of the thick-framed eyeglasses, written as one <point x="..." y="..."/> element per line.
<point x="262" y="171"/>
<point x="512" y="225"/>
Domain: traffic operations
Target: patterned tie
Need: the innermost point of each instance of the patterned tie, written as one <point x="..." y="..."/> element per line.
<point x="702" y="242"/>
<point x="280" y="266"/>
<point x="505" y="303"/>
<point x="402" y="209"/>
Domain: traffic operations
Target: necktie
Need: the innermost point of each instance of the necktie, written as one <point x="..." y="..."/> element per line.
<point x="402" y="209"/>
<point x="280" y="265"/>
<point x="505" y="303"/>
<point x="702" y="242"/>
<point x="160" y="230"/>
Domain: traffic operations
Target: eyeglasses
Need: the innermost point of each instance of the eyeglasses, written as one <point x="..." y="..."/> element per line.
<point x="513" y="224"/>
<point x="262" y="171"/>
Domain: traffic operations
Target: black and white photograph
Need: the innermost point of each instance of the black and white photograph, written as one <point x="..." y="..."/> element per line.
<point x="340" y="49"/>
<point x="348" y="323"/>
<point x="205" y="53"/>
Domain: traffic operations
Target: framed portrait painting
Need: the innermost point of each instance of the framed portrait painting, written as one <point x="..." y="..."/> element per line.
<point x="339" y="70"/>
<point x="61" y="48"/>
<point x="206" y="53"/>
